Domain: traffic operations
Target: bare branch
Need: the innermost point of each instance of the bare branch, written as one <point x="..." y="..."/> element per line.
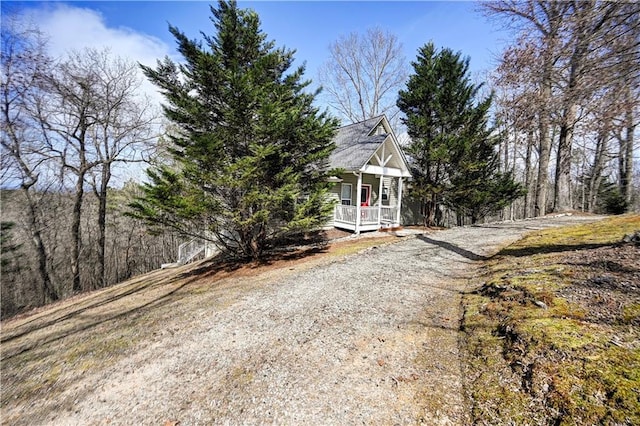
<point x="364" y="73"/>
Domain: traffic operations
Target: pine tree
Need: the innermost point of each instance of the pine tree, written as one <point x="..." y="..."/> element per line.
<point x="454" y="162"/>
<point x="251" y="151"/>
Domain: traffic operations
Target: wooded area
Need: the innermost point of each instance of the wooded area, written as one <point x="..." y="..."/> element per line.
<point x="568" y="96"/>
<point x="67" y="126"/>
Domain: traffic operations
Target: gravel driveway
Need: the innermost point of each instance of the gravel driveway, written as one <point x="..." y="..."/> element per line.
<point x="370" y="338"/>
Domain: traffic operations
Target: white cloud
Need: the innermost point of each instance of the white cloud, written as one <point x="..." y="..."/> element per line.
<point x="69" y="28"/>
<point x="72" y="28"/>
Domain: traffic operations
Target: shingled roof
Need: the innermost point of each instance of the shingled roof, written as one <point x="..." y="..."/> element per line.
<point x="354" y="146"/>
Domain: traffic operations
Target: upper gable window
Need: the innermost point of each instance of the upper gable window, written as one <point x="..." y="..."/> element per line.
<point x="380" y="130"/>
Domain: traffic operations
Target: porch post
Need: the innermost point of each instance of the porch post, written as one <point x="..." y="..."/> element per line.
<point x="358" y="202"/>
<point x="380" y="200"/>
<point x="382" y="164"/>
<point x="399" y="200"/>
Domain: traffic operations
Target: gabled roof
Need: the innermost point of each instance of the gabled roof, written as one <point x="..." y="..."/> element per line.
<point x="355" y="144"/>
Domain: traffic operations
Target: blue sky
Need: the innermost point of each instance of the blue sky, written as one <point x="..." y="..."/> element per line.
<point x="138" y="30"/>
<point x="311" y="26"/>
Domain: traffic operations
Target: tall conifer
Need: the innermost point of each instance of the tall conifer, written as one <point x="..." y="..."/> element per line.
<point x="454" y="162"/>
<point x="251" y="151"/>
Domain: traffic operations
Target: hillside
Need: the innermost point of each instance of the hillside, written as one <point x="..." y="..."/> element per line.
<point x="47" y="351"/>
<point x="361" y="331"/>
<point x="552" y="335"/>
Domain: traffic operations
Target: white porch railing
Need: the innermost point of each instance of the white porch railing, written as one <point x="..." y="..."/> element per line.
<point x="388" y="214"/>
<point x="346" y="214"/>
<point x="189" y="250"/>
<point x="368" y="215"/>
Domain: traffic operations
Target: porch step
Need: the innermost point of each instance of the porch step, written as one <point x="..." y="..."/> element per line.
<point x="385" y="224"/>
<point x="390" y="228"/>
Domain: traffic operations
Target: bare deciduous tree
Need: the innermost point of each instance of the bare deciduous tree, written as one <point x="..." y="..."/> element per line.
<point x="24" y="158"/>
<point x="123" y="129"/>
<point x="364" y="74"/>
<point x="540" y="24"/>
<point x="95" y="119"/>
<point x="580" y="49"/>
<point x="69" y="119"/>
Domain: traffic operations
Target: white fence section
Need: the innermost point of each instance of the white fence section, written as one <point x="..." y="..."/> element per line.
<point x="346" y="214"/>
<point x="389" y="214"/>
<point x="188" y="251"/>
<point x="369" y="215"/>
<point x="374" y="215"/>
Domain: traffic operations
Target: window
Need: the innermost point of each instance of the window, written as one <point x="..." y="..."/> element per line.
<point x="385" y="196"/>
<point x="345" y="194"/>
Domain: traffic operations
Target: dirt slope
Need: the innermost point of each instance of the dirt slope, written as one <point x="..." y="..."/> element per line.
<point x="338" y="338"/>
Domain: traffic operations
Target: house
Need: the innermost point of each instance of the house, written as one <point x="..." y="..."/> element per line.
<point x="369" y="189"/>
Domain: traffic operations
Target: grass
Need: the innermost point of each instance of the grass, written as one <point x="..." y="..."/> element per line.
<point x="535" y="356"/>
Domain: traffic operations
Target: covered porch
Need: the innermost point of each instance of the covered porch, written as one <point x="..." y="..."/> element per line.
<point x="370" y="199"/>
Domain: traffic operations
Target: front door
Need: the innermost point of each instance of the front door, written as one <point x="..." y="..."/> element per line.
<point x="365" y="195"/>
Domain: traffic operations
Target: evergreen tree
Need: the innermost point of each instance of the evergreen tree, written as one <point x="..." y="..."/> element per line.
<point x="454" y="162"/>
<point x="251" y="151"/>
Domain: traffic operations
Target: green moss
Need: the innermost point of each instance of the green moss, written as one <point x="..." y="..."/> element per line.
<point x="559" y="333"/>
<point x="529" y="363"/>
<point x="602" y="232"/>
<point x="604" y="389"/>
<point x="631" y="314"/>
<point x="561" y="308"/>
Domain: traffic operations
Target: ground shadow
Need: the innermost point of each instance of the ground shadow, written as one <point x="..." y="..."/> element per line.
<point x="214" y="266"/>
<point x="211" y="269"/>
<point x="453" y="248"/>
<point x="163" y="299"/>
<point x="108" y="297"/>
<point x="551" y="248"/>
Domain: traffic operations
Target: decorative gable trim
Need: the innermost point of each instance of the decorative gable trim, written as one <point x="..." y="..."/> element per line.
<point x="358" y="144"/>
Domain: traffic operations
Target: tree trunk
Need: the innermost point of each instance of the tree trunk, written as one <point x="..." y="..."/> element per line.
<point x="102" y="222"/>
<point x="512" y="205"/>
<point x="625" y="159"/>
<point x="562" y="195"/>
<point x="76" y="233"/>
<point x="544" y="151"/>
<point x="504" y="213"/>
<point x="596" y="172"/>
<point x="528" y="177"/>
<point x="430" y="211"/>
<point x="48" y="291"/>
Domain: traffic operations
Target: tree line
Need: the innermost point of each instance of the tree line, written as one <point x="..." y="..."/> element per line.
<point x="568" y="92"/>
